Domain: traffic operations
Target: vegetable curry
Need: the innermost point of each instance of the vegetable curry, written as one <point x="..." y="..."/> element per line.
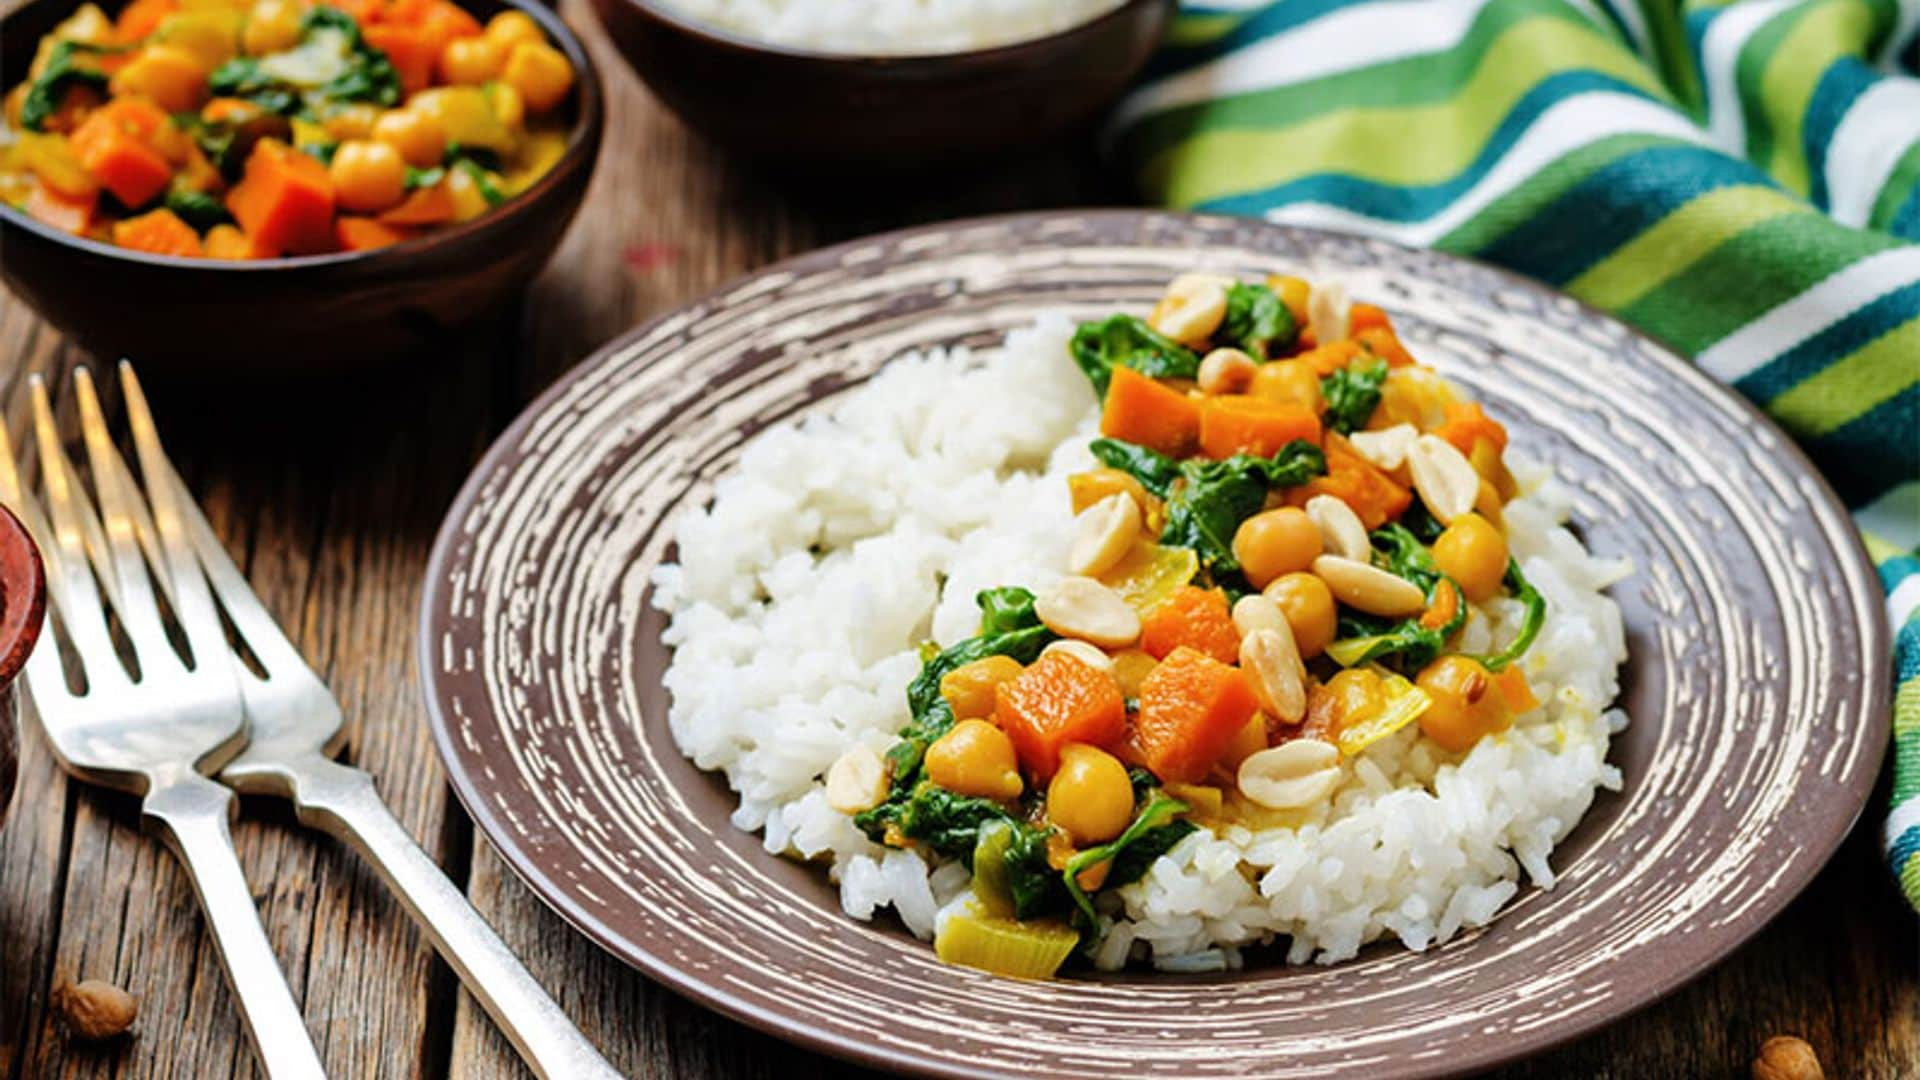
<point x="1289" y="524"/>
<point x="248" y="129"/>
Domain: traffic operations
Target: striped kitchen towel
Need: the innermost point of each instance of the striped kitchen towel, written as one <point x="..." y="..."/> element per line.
<point x="1739" y="179"/>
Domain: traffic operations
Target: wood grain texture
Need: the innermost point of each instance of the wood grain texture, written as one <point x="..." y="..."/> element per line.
<point x="330" y="502"/>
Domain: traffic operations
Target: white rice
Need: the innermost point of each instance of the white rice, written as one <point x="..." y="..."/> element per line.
<point x="893" y="27"/>
<point x="838" y="545"/>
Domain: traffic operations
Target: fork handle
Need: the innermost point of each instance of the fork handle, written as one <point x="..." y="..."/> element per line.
<point x="341" y="800"/>
<point x="191" y="812"/>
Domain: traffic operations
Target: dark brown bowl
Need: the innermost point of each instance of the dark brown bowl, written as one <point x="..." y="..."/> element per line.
<point x="23" y="598"/>
<point x="828" y="112"/>
<point x="310" y="314"/>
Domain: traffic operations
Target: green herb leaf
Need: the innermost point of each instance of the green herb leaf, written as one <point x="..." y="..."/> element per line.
<point x="1156" y="471"/>
<point x="1352" y="393"/>
<point x="1524" y="591"/>
<point x="1127" y="341"/>
<point x="424" y="178"/>
<point x="481" y="179"/>
<point x="1159" y="812"/>
<point x="1256" y="321"/>
<point x="197" y="208"/>
<point x="63" y="71"/>
<point x="1214" y="497"/>
<point x="1006" y="609"/>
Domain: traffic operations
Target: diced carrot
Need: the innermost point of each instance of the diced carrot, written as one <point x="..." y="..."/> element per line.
<point x="1241" y="424"/>
<point x="1381" y="341"/>
<point x="1374" y="495"/>
<point x="1445" y="605"/>
<point x="1467" y="423"/>
<point x="1143" y="410"/>
<point x="1191" y="707"/>
<point x="1055" y="701"/>
<point x="1366" y="317"/>
<point x="365" y="234"/>
<point x="284" y="200"/>
<point x="112" y="148"/>
<point x="158" y="232"/>
<point x="1193" y="618"/>
<point x="228" y="242"/>
<point x="68" y="213"/>
<point x="138" y="117"/>
<point x="141" y="17"/>
<point x="1513" y="686"/>
<point x="1329" y="358"/>
<point x="424" y="206"/>
<point x="412" y="49"/>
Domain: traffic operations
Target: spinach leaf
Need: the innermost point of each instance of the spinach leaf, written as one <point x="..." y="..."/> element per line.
<point x="1031" y="879"/>
<point x="197" y="208"/>
<point x="1133" y="863"/>
<point x="1155" y="471"/>
<point x="1158" y="814"/>
<point x="1524" y="591"/>
<point x="1006" y="609"/>
<point x="1127" y="341"/>
<point x="424" y="178"/>
<point x="946" y="821"/>
<point x="1214" y="497"/>
<point x="63" y="70"/>
<point x="1256" y="320"/>
<point x="1017" y="632"/>
<point x="481" y="180"/>
<point x="1405" y="556"/>
<point x="331" y="65"/>
<point x="1352" y="393"/>
<point x="1419" y="521"/>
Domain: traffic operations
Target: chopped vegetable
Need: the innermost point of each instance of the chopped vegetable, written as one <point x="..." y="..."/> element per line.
<point x="1126" y="342"/>
<point x="159" y="232"/>
<point x="70" y="64"/>
<point x="1243" y="424"/>
<point x="1400" y="704"/>
<point x="1194" y="618"/>
<point x="60" y="210"/>
<point x="1149" y="413"/>
<point x="1257" y="322"/>
<point x="1150" y="573"/>
<point x="285" y="200"/>
<point x="1191" y="706"/>
<point x="1059" y="700"/>
<point x="1372" y="494"/>
<point x="109" y="145"/>
<point x="367" y="234"/>
<point x="1020" y="950"/>
<point x="1524" y="591"/>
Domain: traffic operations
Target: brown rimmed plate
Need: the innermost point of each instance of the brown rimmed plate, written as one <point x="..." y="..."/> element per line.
<point x="1757" y="682"/>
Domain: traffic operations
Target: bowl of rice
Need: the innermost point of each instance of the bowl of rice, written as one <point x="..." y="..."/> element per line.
<point x="886" y="86"/>
<point x="703" y="633"/>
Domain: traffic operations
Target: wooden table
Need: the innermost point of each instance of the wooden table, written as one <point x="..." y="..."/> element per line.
<point x="331" y="501"/>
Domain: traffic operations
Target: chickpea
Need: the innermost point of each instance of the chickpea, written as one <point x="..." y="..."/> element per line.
<point x="351" y="122"/>
<point x="541" y="73"/>
<point x="975" y="758"/>
<point x="1474" y="554"/>
<point x="272" y="26"/>
<point x="1466" y="704"/>
<point x="1293" y="293"/>
<point x="1274" y="543"/>
<point x="510" y="28"/>
<point x="1308" y="605"/>
<point x="1292" y="381"/>
<point x="367" y="176"/>
<point x="420" y="137"/>
<point x="1091" y="797"/>
<point x="970" y="688"/>
<point x="470" y="61"/>
<point x="1131" y="668"/>
<point x="167" y="75"/>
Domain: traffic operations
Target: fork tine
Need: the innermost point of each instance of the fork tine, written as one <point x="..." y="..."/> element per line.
<point x="76" y="599"/>
<point x="193" y="603"/>
<point x="139" y="609"/>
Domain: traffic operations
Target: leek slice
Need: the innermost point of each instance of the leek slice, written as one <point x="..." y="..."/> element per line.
<point x="991" y="887"/>
<point x="1403" y="704"/>
<point x="1020" y="950"/>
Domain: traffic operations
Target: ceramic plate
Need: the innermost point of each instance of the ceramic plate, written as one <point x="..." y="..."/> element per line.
<point x="1757" y="681"/>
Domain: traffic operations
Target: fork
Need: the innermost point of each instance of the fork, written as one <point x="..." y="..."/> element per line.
<point x="295" y="726"/>
<point x="156" y="729"/>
